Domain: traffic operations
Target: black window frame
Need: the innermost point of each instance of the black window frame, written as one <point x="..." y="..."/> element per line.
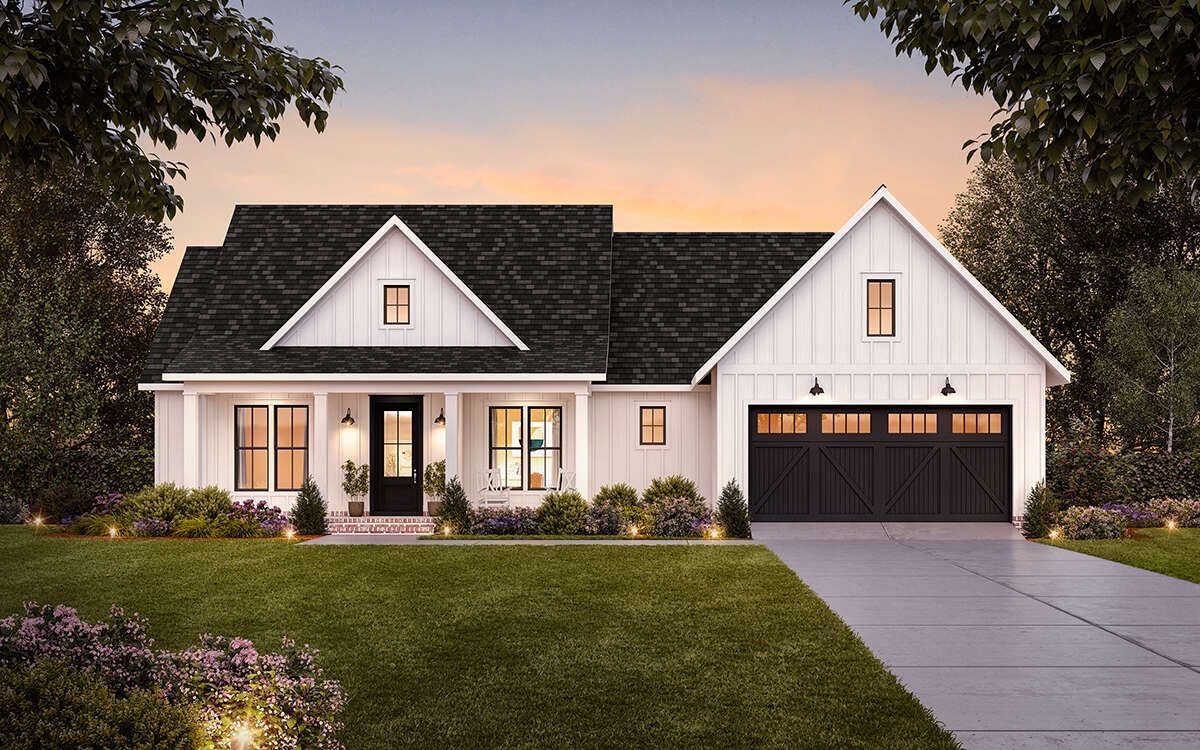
<point x="407" y="306"/>
<point x="239" y="449"/>
<point x="642" y="425"/>
<point x="881" y="308"/>
<point x="278" y="449"/>
<point x="519" y="448"/>
<point x="528" y="451"/>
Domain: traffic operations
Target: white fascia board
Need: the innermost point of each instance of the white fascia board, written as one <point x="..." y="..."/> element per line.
<point x="354" y="377"/>
<point x="160" y="386"/>
<point x="393" y="223"/>
<point x="883" y="194"/>
<point x="669" y="388"/>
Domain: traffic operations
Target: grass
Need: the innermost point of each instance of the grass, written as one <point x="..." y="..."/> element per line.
<point x="1174" y="553"/>
<point x="513" y="646"/>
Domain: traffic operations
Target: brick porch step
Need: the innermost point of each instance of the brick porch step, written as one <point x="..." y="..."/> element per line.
<point x="342" y="523"/>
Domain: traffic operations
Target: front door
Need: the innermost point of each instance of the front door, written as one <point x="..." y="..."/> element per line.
<point x="396" y="456"/>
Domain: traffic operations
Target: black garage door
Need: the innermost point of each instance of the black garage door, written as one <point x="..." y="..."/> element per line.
<point x="855" y="463"/>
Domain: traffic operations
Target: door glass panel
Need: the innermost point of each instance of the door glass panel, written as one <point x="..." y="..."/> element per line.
<point x="398" y="443"/>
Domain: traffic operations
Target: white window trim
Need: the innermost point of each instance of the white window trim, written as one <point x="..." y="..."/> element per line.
<point x="525" y="404"/>
<point x="412" y="304"/>
<point x="271" y="489"/>
<point x="899" y="306"/>
<point x="665" y="403"/>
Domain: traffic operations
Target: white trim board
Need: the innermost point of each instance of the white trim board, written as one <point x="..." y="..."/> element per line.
<point x="350" y="377"/>
<point x="392" y="223"/>
<point x="635" y="388"/>
<point x="882" y="194"/>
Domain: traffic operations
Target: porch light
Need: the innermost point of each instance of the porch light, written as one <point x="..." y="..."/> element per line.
<point x="947" y="389"/>
<point x="441" y="417"/>
<point x="816" y="390"/>
<point x="347" y="421"/>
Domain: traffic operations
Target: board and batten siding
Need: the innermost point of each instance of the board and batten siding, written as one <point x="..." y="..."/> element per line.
<point x="616" y="455"/>
<point x="351" y="313"/>
<point x="944" y="329"/>
<point x="168" y="436"/>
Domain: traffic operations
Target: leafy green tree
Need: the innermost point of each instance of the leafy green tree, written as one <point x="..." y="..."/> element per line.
<point x="1154" y="360"/>
<point x="84" y="83"/>
<point x="1114" y="80"/>
<point x="1059" y="257"/>
<point x="80" y="307"/>
<point x="308" y="514"/>
<point x="732" y="512"/>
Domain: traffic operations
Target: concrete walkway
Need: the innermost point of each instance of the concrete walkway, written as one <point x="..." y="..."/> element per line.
<point x="1013" y="644"/>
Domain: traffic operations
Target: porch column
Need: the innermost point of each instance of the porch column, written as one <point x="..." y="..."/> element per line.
<point x="453" y="454"/>
<point x="582" y="446"/>
<point x="191" y="439"/>
<point x="319" y="466"/>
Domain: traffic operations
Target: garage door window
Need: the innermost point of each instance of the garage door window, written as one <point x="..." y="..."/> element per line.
<point x="976" y="423"/>
<point x="914" y="424"/>
<point x="782" y="423"/>
<point x="841" y="423"/>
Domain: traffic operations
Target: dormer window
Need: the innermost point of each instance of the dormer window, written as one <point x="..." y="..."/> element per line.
<point x="396" y="310"/>
<point x="881" y="307"/>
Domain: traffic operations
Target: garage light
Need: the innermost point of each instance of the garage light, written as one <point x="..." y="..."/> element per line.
<point x="816" y="390"/>
<point x="947" y="389"/>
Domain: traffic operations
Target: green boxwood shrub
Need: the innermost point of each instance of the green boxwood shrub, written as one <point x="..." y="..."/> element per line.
<point x="308" y="514"/>
<point x="1041" y="511"/>
<point x="169" y="502"/>
<point x="455" y="511"/>
<point x="674" y="487"/>
<point x="626" y="501"/>
<point x="50" y="704"/>
<point x="733" y="515"/>
<point x="562" y="513"/>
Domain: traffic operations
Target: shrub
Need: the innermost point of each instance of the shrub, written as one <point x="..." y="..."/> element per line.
<point x="61" y="500"/>
<point x="1041" y="511"/>
<point x="1080" y="522"/>
<point x="165" y="501"/>
<point x="252" y="518"/>
<point x="604" y="519"/>
<point x="196" y="528"/>
<point x="97" y="525"/>
<point x="308" y="514"/>
<point x="562" y="513"/>
<point x="50" y="704"/>
<point x="625" y="499"/>
<point x="433" y="482"/>
<point x="107" y="505"/>
<point x="1183" y="512"/>
<point x="679" y="517"/>
<point x="356" y="479"/>
<point x="1080" y="473"/>
<point x="12" y="510"/>
<point x="522" y="521"/>
<point x="1138" y="515"/>
<point x="455" y="512"/>
<point x="152" y="527"/>
<point x="283" y="697"/>
<point x="733" y="514"/>
<point x="207" y="502"/>
<point x="674" y="487"/>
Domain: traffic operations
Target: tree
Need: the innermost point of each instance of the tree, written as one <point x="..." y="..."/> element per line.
<point x="732" y="513"/>
<point x="1059" y="257"/>
<point x="1114" y="80"/>
<point x="308" y="514"/>
<point x="82" y="82"/>
<point x="1154" y="362"/>
<point x="80" y="310"/>
<point x="455" y="513"/>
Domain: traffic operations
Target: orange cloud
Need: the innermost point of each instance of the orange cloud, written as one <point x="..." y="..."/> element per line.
<point x="716" y="154"/>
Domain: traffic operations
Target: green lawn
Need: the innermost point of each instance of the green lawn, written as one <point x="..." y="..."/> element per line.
<point x="1175" y="553"/>
<point x="517" y="646"/>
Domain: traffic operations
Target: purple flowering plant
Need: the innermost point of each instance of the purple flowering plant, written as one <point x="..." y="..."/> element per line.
<point x="269" y="520"/>
<point x="680" y="517"/>
<point x="152" y="527"/>
<point x="504" y="521"/>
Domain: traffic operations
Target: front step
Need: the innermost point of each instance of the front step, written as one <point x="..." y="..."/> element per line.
<point x="342" y="523"/>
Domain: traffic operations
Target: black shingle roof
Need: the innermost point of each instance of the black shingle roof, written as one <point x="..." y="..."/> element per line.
<point x="677" y="297"/>
<point x="546" y="271"/>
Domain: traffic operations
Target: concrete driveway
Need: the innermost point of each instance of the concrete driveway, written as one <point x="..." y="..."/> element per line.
<point x="1012" y="644"/>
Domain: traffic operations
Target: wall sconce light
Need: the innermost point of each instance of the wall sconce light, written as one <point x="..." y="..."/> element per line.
<point x="441" y="417"/>
<point x="816" y="390"/>
<point x="948" y="389"/>
<point x="348" y="421"/>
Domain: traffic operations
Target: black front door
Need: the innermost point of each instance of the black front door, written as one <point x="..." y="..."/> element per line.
<point x="396" y="455"/>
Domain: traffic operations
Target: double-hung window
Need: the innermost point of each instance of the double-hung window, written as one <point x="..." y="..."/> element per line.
<point x="250" y="447"/>
<point x="525" y="446"/>
<point x="253" y="447"/>
<point x="291" y="446"/>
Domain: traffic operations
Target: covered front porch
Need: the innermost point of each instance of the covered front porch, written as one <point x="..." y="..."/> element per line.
<point x="508" y="442"/>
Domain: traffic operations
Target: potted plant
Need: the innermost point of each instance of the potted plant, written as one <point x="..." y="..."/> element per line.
<point x="434" y="485"/>
<point x="356" y="483"/>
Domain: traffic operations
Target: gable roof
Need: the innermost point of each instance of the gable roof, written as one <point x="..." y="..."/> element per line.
<point x="542" y="270"/>
<point x="364" y="251"/>
<point x="883" y="195"/>
<point x="677" y="296"/>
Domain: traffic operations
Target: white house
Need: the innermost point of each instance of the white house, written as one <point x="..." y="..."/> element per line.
<point x="862" y="375"/>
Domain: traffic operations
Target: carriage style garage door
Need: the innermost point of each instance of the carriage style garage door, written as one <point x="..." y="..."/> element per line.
<point x="852" y="463"/>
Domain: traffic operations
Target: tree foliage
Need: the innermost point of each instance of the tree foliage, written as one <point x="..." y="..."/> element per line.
<point x="84" y="83"/>
<point x="1113" y="80"/>
<point x="81" y="306"/>
<point x="1060" y="257"/>
<point x="308" y="514"/>
<point x="1154" y="360"/>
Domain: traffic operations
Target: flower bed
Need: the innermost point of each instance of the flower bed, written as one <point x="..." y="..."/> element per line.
<point x="1110" y="521"/>
<point x="166" y="510"/>
<point x="273" y="700"/>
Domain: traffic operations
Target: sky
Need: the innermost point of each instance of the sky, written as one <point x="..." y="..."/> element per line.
<point x="684" y="116"/>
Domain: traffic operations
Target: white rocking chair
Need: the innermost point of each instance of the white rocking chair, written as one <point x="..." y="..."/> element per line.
<point x="491" y="493"/>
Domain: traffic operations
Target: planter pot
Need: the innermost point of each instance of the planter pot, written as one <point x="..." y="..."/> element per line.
<point x="434" y="507"/>
<point x="356" y="508"/>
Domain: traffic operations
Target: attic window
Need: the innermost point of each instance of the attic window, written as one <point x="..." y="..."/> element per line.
<point x="881" y="307"/>
<point x="396" y="305"/>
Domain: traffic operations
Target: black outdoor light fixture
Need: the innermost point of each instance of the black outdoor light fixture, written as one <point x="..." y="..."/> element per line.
<point x="947" y="389"/>
<point x="348" y="420"/>
<point x="816" y="390"/>
<point x="441" y="417"/>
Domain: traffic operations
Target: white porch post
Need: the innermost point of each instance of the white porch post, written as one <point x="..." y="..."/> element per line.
<point x="582" y="446"/>
<point x="453" y="452"/>
<point x="319" y="466"/>
<point x="191" y="439"/>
